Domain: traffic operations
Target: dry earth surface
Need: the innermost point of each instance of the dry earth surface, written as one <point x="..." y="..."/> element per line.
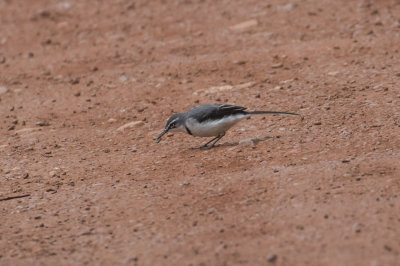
<point x="75" y="188"/>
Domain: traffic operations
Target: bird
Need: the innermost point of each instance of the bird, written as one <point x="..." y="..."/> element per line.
<point x="210" y="120"/>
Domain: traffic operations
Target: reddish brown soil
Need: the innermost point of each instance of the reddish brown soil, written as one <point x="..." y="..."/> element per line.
<point x="322" y="190"/>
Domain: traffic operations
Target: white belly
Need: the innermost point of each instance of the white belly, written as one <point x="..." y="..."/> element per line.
<point x="212" y="128"/>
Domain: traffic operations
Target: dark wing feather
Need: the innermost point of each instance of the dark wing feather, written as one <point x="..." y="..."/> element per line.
<point x="214" y="112"/>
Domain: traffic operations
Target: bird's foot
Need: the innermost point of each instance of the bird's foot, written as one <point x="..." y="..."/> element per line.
<point x="204" y="147"/>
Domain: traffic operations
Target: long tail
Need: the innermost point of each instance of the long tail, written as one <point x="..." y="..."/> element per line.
<point x="270" y="112"/>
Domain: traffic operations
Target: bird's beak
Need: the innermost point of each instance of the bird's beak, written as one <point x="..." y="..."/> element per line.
<point x="158" y="139"/>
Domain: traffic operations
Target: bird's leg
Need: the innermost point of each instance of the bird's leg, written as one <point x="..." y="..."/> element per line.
<point x="217" y="138"/>
<point x="206" y="145"/>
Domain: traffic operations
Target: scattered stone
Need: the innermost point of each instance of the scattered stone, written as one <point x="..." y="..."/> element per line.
<point x="45" y="14"/>
<point x="272" y="257"/>
<point x="47" y="154"/>
<point x="198" y="34"/>
<point x="75" y="81"/>
<point x="2" y="59"/>
<point x="245" y="85"/>
<point x="134" y="148"/>
<point x="130" y="125"/>
<point x="213" y="89"/>
<point x="278" y="65"/>
<point x="3" y="90"/>
<point x="244" y="25"/>
<point x="25" y="176"/>
<point x="240" y="62"/>
<point x="47" y="42"/>
<point x="12" y="127"/>
<point x="286" y="7"/>
<point x="52" y="173"/>
<point x="248" y="142"/>
<point x="52" y="191"/>
<point x="286" y="81"/>
<point x="317" y="123"/>
<point x="216" y="89"/>
<point x="123" y="78"/>
<point x="111" y="120"/>
<point x="64" y="5"/>
<point x="24" y="130"/>
<point x="186" y="183"/>
<point x="62" y="25"/>
<point x="357" y="227"/>
<point x="77" y="94"/>
<point x="345" y="161"/>
<point x="333" y="73"/>
<point x="42" y="123"/>
<point x="387" y="248"/>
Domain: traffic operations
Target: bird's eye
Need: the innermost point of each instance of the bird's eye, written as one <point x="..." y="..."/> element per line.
<point x="172" y="125"/>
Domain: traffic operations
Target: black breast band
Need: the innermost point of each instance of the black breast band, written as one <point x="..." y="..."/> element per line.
<point x="188" y="131"/>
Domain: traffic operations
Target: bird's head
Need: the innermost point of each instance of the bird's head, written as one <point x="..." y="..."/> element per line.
<point x="174" y="123"/>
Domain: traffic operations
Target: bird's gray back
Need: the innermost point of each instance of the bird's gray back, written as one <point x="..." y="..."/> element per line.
<point x="213" y="111"/>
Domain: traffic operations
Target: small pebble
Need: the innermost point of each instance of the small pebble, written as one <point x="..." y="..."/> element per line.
<point x="387" y="248"/>
<point x="75" y="81"/>
<point x="247" y="142"/>
<point x="272" y="258"/>
<point x="130" y="125"/>
<point x="3" y="89"/>
<point x="244" y="25"/>
<point x="42" y="123"/>
<point x="122" y="78"/>
<point x="240" y="62"/>
<point x="278" y="65"/>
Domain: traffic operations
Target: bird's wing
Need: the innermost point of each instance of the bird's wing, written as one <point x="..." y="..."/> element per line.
<point x="213" y="112"/>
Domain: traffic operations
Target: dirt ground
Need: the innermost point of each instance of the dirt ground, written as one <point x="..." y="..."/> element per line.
<point x="78" y="187"/>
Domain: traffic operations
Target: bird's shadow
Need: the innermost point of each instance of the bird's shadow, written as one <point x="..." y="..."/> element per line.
<point x="252" y="142"/>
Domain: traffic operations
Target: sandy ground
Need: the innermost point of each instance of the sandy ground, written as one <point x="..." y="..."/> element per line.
<point x="75" y="188"/>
